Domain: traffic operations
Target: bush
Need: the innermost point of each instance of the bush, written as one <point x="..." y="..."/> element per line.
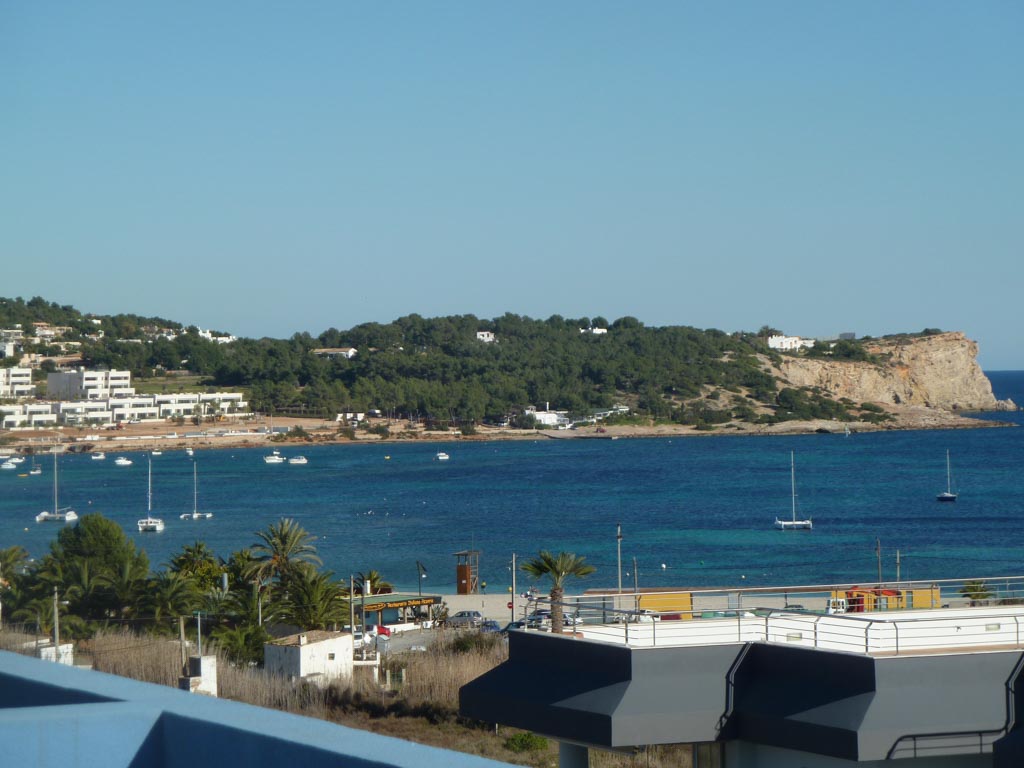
<point x="525" y="742"/>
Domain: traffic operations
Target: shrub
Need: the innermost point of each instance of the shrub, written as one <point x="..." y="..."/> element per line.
<point x="525" y="742"/>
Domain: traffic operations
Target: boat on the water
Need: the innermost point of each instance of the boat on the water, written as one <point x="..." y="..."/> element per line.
<point x="150" y="524"/>
<point x="274" y="458"/>
<point x="57" y="515"/>
<point x="195" y="514"/>
<point x="793" y="524"/>
<point x="948" y="494"/>
<point x="298" y="460"/>
<point x="98" y="456"/>
<point x="189" y="452"/>
<point x="442" y="456"/>
<point x="123" y="461"/>
<point x="8" y="465"/>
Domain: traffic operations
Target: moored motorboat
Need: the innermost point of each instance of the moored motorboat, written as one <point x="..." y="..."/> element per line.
<point x="442" y="456"/>
<point x="98" y="456"/>
<point x="298" y="460"/>
<point x="123" y="461"/>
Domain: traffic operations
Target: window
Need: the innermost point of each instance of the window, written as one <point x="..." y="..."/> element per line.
<point x="330" y="657"/>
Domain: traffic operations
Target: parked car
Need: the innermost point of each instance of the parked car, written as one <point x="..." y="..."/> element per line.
<point x="512" y="625"/>
<point x="490" y="625"/>
<point x="471" y="619"/>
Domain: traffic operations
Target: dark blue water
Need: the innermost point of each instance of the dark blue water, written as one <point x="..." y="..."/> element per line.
<point x="701" y="506"/>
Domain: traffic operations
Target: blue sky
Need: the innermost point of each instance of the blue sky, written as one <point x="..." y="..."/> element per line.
<point x="267" y="168"/>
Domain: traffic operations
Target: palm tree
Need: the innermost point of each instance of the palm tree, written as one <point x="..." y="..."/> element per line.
<point x="976" y="591"/>
<point x="283" y="548"/>
<point x="558" y="568"/>
<point x="12" y="560"/>
<point x="314" y="601"/>
<point x="374" y="581"/>
<point x="171" y="594"/>
<point x="198" y="562"/>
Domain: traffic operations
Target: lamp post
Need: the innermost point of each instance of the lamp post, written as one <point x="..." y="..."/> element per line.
<point x="423" y="574"/>
<point x="618" y="543"/>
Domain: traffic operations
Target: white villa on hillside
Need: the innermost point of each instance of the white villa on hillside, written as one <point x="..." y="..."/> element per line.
<point x="789" y="343"/>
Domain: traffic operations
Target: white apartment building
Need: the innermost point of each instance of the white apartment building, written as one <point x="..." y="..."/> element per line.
<point x="789" y="343"/>
<point x="485" y="336"/>
<point x="27" y="415"/>
<point x="15" y="382"/>
<point x="89" y="385"/>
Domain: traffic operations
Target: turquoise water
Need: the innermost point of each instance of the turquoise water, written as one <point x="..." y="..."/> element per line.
<point x="703" y="507"/>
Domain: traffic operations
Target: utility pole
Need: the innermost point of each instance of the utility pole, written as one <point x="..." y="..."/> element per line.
<point x="514" y="593"/>
<point x="878" y="555"/>
<point x="181" y="643"/>
<point x="618" y="543"/>
<point x="56" y="624"/>
<point x="636" y="577"/>
<point x="897" y="566"/>
<point x="351" y="604"/>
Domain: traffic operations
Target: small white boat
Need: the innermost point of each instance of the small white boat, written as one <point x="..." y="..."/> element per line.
<point x="442" y="456"/>
<point x="17" y="459"/>
<point x="298" y="460"/>
<point x="189" y="452"/>
<point x="151" y="525"/>
<point x="36" y="471"/>
<point x="156" y="453"/>
<point x="794" y="524"/>
<point x="947" y="495"/>
<point x="274" y="458"/>
<point x="123" y="461"/>
<point x="58" y="515"/>
<point x="195" y="514"/>
<point x="8" y="465"/>
<point x="99" y="456"/>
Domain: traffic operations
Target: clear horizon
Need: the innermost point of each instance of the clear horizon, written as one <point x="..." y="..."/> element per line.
<point x="264" y="170"/>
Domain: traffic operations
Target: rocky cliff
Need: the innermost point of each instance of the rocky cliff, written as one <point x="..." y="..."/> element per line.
<point x="939" y="371"/>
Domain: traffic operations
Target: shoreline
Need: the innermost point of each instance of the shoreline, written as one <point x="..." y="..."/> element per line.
<point x="150" y="436"/>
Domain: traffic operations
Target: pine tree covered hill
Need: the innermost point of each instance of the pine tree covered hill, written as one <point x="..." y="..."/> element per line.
<point x="437" y="367"/>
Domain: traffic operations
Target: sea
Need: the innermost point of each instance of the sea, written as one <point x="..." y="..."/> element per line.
<point x="694" y="511"/>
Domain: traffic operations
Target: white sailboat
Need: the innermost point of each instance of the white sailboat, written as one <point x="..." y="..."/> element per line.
<point x="58" y="515"/>
<point x="948" y="494"/>
<point x="150" y="524"/>
<point x="195" y="514"/>
<point x="793" y="524"/>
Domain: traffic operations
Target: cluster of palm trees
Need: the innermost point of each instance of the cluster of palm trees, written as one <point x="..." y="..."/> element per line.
<point x="102" y="580"/>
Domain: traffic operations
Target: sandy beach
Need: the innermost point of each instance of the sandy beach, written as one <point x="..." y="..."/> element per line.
<point x="254" y="433"/>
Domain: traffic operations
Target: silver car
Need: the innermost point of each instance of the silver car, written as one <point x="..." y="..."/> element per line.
<point x="466" y="619"/>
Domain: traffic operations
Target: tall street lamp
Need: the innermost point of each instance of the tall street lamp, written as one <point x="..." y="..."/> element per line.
<point x="423" y="574"/>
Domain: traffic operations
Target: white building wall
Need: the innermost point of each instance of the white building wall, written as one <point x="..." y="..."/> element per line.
<point x="330" y="659"/>
<point x="16" y="382"/>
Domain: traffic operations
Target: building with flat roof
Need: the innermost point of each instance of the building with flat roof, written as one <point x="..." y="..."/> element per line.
<point x="16" y="383"/>
<point x="88" y="385"/>
<point x="773" y="688"/>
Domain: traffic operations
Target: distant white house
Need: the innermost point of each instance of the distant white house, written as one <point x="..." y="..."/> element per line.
<point x="789" y="343"/>
<point x="485" y="336"/>
<point x="595" y="331"/>
<point x="546" y="418"/>
<point x="208" y="335"/>
<point x="315" y="656"/>
<point x="331" y="353"/>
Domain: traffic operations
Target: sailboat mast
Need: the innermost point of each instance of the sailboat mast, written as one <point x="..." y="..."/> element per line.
<point x="195" y="490"/>
<point x="792" y="481"/>
<point x="55" y="480"/>
<point x="949" y="479"/>
<point x="149" y="492"/>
